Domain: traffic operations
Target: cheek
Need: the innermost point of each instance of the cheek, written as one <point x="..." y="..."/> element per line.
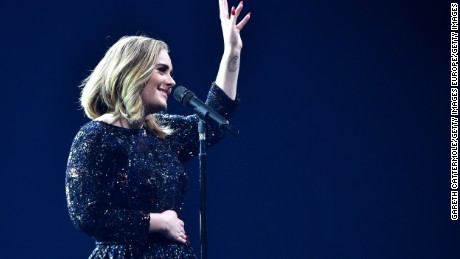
<point x="156" y="79"/>
<point x="148" y="93"/>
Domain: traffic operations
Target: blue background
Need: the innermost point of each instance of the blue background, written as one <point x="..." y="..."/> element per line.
<point x="345" y="122"/>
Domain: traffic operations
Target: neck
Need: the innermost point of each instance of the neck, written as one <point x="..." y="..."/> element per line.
<point x="122" y="122"/>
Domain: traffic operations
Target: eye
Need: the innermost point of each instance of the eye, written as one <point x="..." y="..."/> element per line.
<point x="162" y="69"/>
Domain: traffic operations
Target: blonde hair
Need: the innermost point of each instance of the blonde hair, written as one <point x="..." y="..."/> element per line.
<point x="114" y="86"/>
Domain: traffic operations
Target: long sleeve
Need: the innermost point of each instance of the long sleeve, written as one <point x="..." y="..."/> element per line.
<point x="89" y="183"/>
<point x="185" y="138"/>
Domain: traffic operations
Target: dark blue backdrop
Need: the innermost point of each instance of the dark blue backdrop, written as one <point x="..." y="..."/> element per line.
<point x="344" y="145"/>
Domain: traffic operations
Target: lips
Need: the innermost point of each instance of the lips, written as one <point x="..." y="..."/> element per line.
<point x="164" y="91"/>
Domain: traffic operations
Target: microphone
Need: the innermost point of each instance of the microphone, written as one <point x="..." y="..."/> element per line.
<point x="188" y="99"/>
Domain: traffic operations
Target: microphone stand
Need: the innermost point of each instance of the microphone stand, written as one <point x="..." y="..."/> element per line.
<point x="203" y="114"/>
<point x="202" y="166"/>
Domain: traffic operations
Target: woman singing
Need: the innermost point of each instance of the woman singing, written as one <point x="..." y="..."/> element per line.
<point x="125" y="181"/>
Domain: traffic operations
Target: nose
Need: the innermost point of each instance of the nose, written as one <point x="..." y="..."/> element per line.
<point x="170" y="81"/>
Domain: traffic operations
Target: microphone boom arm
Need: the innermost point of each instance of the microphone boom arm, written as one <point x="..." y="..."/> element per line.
<point x="204" y="114"/>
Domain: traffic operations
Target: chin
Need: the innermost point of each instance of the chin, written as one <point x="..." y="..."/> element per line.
<point x="156" y="108"/>
<point x="163" y="107"/>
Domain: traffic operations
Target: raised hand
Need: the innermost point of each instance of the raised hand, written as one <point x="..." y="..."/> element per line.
<point x="230" y="29"/>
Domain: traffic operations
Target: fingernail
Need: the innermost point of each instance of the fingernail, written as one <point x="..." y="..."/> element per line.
<point x="249" y="13"/>
<point x="233" y="10"/>
<point x="241" y="3"/>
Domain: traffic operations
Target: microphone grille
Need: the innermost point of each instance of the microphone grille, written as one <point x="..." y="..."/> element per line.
<point x="183" y="95"/>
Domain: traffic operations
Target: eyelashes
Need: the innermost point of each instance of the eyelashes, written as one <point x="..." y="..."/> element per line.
<point x="163" y="69"/>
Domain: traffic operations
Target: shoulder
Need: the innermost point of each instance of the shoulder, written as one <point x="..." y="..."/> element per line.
<point x="99" y="126"/>
<point x="175" y="121"/>
<point x="93" y="130"/>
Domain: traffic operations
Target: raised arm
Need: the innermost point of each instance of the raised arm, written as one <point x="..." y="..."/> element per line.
<point x="227" y="76"/>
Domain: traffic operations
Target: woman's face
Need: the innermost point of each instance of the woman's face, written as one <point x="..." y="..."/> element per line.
<point x="155" y="93"/>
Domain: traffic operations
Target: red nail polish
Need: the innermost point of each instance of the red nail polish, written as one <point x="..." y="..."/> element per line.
<point x="241" y="3"/>
<point x="233" y="10"/>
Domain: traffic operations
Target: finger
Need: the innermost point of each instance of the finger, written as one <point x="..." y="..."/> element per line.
<point x="226" y="8"/>
<point x="236" y="11"/>
<point x="223" y="9"/>
<point x="239" y="8"/>
<point x="182" y="239"/>
<point x="233" y="15"/>
<point x="243" y="22"/>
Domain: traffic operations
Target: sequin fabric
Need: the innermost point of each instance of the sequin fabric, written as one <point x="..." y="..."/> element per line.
<point x="115" y="177"/>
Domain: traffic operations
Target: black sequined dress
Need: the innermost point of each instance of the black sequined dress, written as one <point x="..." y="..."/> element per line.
<point x="116" y="176"/>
